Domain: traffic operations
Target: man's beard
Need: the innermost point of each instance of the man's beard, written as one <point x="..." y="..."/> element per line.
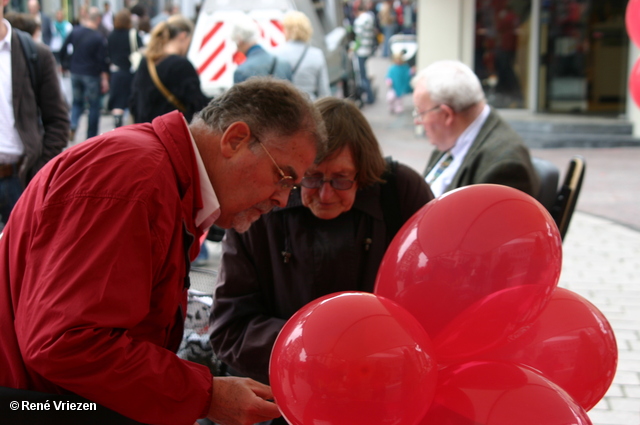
<point x="243" y="220"/>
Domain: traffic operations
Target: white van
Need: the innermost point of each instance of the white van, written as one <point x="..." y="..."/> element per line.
<point x="215" y="56"/>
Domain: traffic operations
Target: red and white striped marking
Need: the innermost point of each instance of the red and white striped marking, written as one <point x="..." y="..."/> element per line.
<point x="215" y="55"/>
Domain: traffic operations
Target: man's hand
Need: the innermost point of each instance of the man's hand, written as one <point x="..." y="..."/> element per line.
<point x="104" y="83"/>
<point x="241" y="401"/>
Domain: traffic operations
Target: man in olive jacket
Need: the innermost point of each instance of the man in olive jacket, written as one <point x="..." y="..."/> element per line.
<point x="35" y="123"/>
<point x="473" y="144"/>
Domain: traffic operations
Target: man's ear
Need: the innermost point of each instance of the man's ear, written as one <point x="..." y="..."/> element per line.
<point x="234" y="137"/>
<point x="449" y="114"/>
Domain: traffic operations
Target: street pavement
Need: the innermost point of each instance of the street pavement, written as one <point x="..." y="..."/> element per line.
<point x="601" y="251"/>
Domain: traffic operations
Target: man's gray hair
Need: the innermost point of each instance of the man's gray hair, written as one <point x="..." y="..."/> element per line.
<point x="245" y="30"/>
<point x="451" y="83"/>
<point x="272" y="109"/>
<point x="94" y="14"/>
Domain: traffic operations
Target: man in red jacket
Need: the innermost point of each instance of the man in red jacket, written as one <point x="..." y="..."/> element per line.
<point x="95" y="257"/>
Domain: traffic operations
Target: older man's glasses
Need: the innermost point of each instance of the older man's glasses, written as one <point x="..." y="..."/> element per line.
<point x="286" y="182"/>
<point x="316" y="182"/>
<point x="418" y="116"/>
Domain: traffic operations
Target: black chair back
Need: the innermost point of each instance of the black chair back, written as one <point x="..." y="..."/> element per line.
<point x="549" y="177"/>
<point x="562" y="210"/>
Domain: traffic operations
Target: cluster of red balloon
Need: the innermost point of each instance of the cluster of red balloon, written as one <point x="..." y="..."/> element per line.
<point x="352" y="358"/>
<point x="632" y="20"/>
<point x="496" y="343"/>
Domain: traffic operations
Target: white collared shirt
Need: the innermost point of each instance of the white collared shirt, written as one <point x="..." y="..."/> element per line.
<point x="210" y="210"/>
<point x="11" y="147"/>
<point x="458" y="151"/>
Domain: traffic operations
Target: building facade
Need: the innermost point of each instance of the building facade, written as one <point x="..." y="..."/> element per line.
<point x="545" y="56"/>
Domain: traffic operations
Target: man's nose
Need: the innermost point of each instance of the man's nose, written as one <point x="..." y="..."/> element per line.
<point x="281" y="197"/>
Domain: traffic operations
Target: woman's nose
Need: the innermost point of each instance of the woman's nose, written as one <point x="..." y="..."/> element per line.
<point x="326" y="190"/>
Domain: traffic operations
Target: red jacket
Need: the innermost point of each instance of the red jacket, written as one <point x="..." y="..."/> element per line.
<point x="92" y="284"/>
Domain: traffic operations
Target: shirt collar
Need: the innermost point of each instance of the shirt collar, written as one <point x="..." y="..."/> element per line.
<point x="210" y="210"/>
<point x="255" y="48"/>
<point x="465" y="140"/>
<point x="6" y="42"/>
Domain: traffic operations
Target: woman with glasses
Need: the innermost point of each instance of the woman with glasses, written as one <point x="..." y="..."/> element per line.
<point x="330" y="237"/>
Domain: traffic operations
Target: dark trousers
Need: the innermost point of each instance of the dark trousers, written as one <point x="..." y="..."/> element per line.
<point x="10" y="191"/>
<point x="86" y="91"/>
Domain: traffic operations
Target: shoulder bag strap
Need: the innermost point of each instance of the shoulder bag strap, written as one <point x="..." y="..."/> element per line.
<point x="133" y="40"/>
<point x="156" y="80"/>
<point x="304" y="52"/>
<point x="31" y="56"/>
<point x="273" y="65"/>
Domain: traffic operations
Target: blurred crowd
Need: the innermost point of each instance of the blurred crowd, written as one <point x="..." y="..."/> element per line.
<point x="390" y="18"/>
<point x="93" y="54"/>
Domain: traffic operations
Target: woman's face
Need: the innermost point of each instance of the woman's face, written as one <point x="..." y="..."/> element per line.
<point x="326" y="202"/>
<point x="187" y="42"/>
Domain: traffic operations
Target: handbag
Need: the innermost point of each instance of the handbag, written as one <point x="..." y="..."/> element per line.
<point x="135" y="56"/>
<point x="165" y="91"/>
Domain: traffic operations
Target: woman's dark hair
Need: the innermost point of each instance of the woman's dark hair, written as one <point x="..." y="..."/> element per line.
<point x="348" y="128"/>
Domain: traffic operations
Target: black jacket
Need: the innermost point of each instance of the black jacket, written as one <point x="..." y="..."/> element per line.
<point x="42" y="118"/>
<point x="257" y="291"/>
<point x="179" y="77"/>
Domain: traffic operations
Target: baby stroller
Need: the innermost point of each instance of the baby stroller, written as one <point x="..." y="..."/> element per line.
<point x="407" y="44"/>
<point x="351" y="83"/>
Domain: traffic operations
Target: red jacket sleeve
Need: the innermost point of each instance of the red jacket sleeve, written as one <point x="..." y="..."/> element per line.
<point x="93" y="305"/>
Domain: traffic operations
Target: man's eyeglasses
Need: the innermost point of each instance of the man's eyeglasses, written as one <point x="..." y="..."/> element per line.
<point x="417" y="115"/>
<point x="286" y="182"/>
<point x="316" y="182"/>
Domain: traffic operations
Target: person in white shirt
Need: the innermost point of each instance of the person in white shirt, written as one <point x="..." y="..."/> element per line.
<point x="364" y="30"/>
<point x="107" y="17"/>
<point x="473" y="144"/>
<point x="34" y="118"/>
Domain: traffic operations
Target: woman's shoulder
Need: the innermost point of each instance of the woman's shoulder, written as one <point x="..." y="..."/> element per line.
<point x="173" y="63"/>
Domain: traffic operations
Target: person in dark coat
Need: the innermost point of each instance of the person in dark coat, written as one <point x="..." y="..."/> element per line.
<point x="36" y="116"/>
<point x="120" y="44"/>
<point x="85" y="52"/>
<point x="167" y="52"/>
<point x="331" y="236"/>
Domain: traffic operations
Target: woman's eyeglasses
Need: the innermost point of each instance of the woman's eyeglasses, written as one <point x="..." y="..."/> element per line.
<point x="316" y="182"/>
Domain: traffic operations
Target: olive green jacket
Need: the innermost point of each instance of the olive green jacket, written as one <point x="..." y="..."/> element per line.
<point x="498" y="155"/>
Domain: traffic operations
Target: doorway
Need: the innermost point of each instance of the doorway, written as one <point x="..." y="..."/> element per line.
<point x="584" y="53"/>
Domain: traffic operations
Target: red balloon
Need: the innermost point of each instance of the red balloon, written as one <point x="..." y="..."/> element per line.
<point x="632" y="20"/>
<point x="474" y="266"/>
<point x="494" y="393"/>
<point x="352" y="358"/>
<point x="572" y="344"/>
<point x="634" y="83"/>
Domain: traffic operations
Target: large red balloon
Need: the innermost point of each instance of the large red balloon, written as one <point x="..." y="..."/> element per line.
<point x="474" y="266"/>
<point x="494" y="393"/>
<point x="352" y="358"/>
<point x="572" y="344"/>
<point x="632" y="19"/>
